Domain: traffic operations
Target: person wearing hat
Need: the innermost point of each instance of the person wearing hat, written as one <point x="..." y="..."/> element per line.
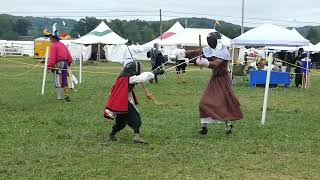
<point x="121" y="104"/>
<point x="59" y="62"/>
<point x="218" y="102"/>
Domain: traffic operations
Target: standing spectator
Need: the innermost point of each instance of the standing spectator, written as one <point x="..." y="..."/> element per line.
<point x="59" y="63"/>
<point x="156" y="58"/>
<point x="297" y="70"/>
<point x="181" y="62"/>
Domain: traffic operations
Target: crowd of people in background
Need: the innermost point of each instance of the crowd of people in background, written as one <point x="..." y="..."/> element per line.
<point x="291" y="62"/>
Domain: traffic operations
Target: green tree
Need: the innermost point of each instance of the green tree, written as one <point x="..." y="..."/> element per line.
<point x="313" y="35"/>
<point x="22" y="26"/>
<point x="84" y="26"/>
<point x="10" y="35"/>
<point x="146" y="34"/>
<point x="131" y="31"/>
<point x="116" y="25"/>
<point x="6" y="26"/>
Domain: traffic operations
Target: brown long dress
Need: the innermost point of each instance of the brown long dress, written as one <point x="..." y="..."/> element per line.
<point x="218" y="100"/>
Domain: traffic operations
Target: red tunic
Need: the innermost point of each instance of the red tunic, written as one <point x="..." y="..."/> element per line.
<point x="118" y="98"/>
<point x="218" y="100"/>
<point x="59" y="52"/>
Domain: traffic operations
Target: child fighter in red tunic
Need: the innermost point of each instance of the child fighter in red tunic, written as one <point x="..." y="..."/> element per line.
<point x="122" y="100"/>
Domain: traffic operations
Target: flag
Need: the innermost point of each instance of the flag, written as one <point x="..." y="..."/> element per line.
<point x="54" y="28"/>
<point x="216" y="22"/>
<point x="186" y="23"/>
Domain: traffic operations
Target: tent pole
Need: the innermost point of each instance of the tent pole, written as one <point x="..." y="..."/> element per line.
<point x="45" y="71"/>
<point x="80" y="71"/>
<point x="99" y="52"/>
<point x="307" y="68"/>
<point x="232" y="60"/>
<point x="266" y="90"/>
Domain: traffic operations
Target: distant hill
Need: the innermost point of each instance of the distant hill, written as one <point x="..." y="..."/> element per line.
<point x="8" y="26"/>
<point x="310" y="32"/>
<point x="140" y="31"/>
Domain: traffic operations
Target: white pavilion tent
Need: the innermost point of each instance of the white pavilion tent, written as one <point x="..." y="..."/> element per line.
<point x="175" y="29"/>
<point x="269" y="35"/>
<point x="190" y="37"/>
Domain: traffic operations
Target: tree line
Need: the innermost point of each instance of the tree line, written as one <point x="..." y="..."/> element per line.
<point x="139" y="31"/>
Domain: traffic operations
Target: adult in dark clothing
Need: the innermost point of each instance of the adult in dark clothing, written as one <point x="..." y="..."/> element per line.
<point x="297" y="70"/>
<point x="156" y="59"/>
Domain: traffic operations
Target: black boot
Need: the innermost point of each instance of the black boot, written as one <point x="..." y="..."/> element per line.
<point x="112" y="137"/>
<point x="203" y="131"/>
<point x="228" y="127"/>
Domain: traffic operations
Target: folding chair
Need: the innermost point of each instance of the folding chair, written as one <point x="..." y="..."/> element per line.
<point x="238" y="74"/>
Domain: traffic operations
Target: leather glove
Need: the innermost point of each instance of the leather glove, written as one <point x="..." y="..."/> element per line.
<point x="158" y="72"/>
<point x="187" y="61"/>
<point x="202" y="62"/>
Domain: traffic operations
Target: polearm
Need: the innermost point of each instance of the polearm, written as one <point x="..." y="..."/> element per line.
<point x="146" y="90"/>
<point x="182" y="63"/>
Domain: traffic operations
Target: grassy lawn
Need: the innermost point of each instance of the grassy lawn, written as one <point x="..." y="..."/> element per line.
<point x="43" y="138"/>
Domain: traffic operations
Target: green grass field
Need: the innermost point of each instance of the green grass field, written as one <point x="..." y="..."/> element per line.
<point x="43" y="138"/>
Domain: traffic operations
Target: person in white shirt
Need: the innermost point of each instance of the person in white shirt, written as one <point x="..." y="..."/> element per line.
<point x="181" y="61"/>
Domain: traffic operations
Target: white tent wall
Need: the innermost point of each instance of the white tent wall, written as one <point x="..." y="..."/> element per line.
<point x="116" y="53"/>
<point x="86" y="52"/>
<point x="317" y="47"/>
<point x="242" y="51"/>
<point x="77" y="49"/>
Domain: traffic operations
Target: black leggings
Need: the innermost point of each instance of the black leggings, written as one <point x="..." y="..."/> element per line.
<point x="298" y="79"/>
<point x="181" y="66"/>
<point x="132" y="118"/>
<point x="155" y="66"/>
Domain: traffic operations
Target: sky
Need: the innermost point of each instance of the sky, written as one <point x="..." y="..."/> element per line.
<point x="291" y="13"/>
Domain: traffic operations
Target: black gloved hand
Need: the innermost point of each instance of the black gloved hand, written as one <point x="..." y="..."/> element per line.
<point x="157" y="72"/>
